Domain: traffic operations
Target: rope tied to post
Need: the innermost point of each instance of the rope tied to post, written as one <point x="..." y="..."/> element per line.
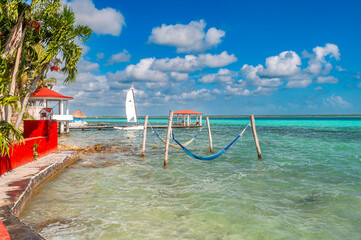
<point x="176" y="145"/>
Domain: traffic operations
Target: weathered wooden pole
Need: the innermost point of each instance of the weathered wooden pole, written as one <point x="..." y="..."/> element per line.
<point x="144" y="134"/>
<point x="168" y="137"/>
<point x="209" y="135"/>
<point x="253" y="125"/>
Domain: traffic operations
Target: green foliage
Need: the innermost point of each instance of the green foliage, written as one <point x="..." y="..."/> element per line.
<point x="8" y="134"/>
<point x="55" y="35"/>
<point x="35" y="151"/>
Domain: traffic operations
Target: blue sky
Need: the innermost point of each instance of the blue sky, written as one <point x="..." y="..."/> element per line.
<point x="219" y="57"/>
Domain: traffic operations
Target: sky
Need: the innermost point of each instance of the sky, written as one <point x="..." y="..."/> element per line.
<point x="218" y="57"/>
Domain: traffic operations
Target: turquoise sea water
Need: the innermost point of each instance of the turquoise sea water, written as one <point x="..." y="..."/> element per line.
<point x="307" y="186"/>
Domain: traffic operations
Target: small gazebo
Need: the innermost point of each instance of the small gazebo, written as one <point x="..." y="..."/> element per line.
<point x="184" y="118"/>
<point x="42" y="99"/>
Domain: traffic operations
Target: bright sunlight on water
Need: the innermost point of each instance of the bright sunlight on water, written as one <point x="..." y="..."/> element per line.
<point x="307" y="186"/>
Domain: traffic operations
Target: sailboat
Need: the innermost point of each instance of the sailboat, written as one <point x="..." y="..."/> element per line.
<point x="131" y="112"/>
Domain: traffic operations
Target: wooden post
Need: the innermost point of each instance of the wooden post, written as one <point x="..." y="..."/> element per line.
<point x="168" y="136"/>
<point x="209" y="135"/>
<point x="67" y="127"/>
<point x="253" y="125"/>
<point x="144" y="134"/>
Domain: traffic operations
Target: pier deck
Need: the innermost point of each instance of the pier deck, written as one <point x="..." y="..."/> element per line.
<point x="102" y="127"/>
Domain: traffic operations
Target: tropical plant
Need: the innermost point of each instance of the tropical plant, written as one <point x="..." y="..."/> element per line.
<point x="58" y="37"/>
<point x="8" y="135"/>
<point x="35" y="37"/>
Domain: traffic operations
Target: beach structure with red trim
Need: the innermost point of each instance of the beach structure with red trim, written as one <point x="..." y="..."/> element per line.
<point x="47" y="98"/>
<point x="184" y="118"/>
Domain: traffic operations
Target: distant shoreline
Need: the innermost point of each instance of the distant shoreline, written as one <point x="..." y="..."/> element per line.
<point x="247" y="116"/>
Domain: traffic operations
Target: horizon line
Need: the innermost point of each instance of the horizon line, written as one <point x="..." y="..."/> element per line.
<point x="246" y="116"/>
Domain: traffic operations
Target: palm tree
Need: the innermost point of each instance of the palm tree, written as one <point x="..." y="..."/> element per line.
<point x="32" y="37"/>
<point x="58" y="37"/>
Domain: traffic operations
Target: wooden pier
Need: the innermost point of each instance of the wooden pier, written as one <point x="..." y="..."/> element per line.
<point x="107" y="126"/>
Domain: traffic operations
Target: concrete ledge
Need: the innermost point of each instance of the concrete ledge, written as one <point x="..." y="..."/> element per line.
<point x="16" y="228"/>
<point x="18" y="185"/>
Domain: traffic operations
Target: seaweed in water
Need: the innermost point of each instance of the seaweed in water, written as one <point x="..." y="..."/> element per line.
<point x="62" y="222"/>
<point x="315" y="196"/>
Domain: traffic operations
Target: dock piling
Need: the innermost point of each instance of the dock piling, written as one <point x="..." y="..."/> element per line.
<point x="144" y="134"/>
<point x="168" y="137"/>
<point x="253" y="125"/>
<point x="209" y="135"/>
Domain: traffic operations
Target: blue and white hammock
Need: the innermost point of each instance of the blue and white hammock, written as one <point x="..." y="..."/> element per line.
<point x="211" y="157"/>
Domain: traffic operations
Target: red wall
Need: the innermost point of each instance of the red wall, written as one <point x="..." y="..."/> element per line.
<point x="41" y="132"/>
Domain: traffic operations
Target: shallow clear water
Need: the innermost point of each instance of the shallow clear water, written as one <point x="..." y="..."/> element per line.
<point x="307" y="186"/>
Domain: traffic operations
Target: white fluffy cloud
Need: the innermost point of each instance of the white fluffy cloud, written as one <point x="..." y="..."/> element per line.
<point x="157" y="70"/>
<point x="187" y="38"/>
<point x="298" y="84"/>
<point x="123" y="56"/>
<point x="91" y="83"/>
<point x="142" y="71"/>
<point x="86" y="66"/>
<point x="231" y="90"/>
<point x="191" y="63"/>
<point x="263" y="91"/>
<point x="336" y="101"/>
<point x="179" y="76"/>
<point x="197" y="94"/>
<point x="286" y="67"/>
<point x="253" y="79"/>
<point x="285" y="64"/>
<point x="102" y="21"/>
<point x="223" y="75"/>
<point x="318" y="63"/>
<point x="327" y="79"/>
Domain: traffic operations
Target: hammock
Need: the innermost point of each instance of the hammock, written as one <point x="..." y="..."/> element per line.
<point x="176" y="145"/>
<point x="211" y="157"/>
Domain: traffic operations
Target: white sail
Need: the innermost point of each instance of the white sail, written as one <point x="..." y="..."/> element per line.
<point x="130" y="106"/>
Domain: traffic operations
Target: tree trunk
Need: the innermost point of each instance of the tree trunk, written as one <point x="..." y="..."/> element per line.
<point x="2" y="114"/>
<point x="14" y="38"/>
<point x="25" y="100"/>
<point x="9" y="109"/>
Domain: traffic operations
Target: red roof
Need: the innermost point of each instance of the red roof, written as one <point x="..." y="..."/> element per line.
<point x="47" y="93"/>
<point x="187" y="112"/>
<point x="47" y="109"/>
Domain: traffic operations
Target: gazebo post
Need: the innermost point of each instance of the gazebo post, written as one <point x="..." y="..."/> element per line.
<point x="67" y="107"/>
<point x="67" y="113"/>
<point x="189" y="120"/>
<point x="200" y="120"/>
<point x="61" y="109"/>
